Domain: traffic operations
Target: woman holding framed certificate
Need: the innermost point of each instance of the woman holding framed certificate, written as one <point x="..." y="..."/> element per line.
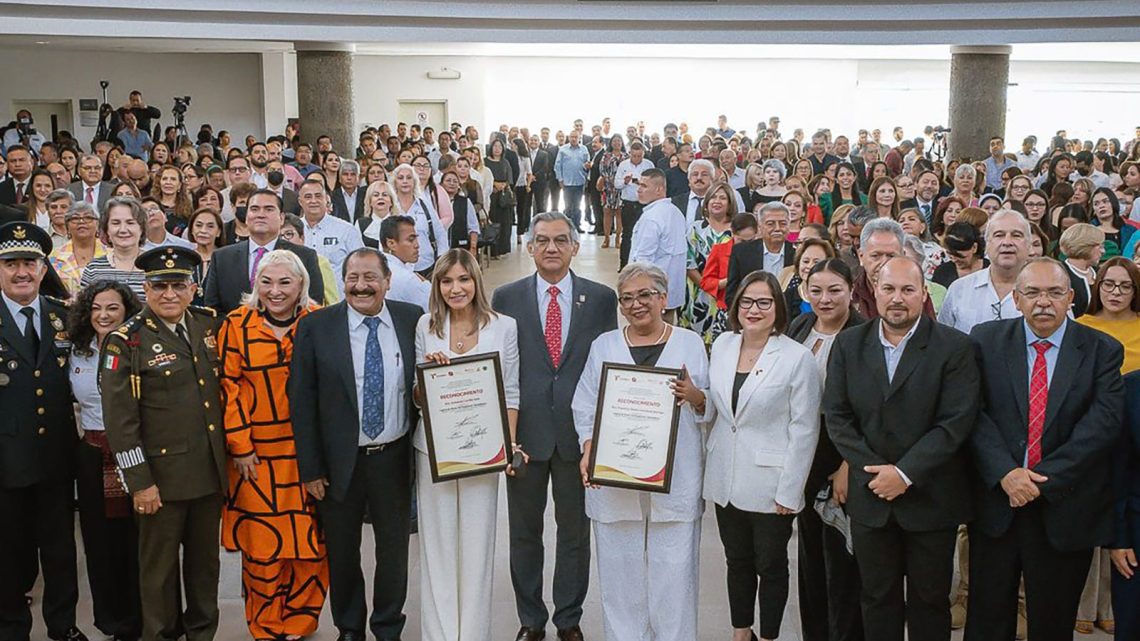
<point x="636" y="410"/>
<point x="468" y="391"/>
<point x="764" y="393"/>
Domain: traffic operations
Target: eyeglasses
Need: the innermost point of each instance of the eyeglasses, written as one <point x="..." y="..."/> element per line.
<point x="561" y="242"/>
<point x="643" y="298"/>
<point x="1122" y="287"/>
<point x="762" y="304"/>
<point x="1053" y="294"/>
<point x="179" y="287"/>
<point x="421" y="165"/>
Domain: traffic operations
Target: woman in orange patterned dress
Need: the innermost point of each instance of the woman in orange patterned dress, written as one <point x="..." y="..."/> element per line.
<point x="268" y="515"/>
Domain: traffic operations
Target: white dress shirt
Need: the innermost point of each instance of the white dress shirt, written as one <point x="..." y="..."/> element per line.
<point x="972" y="299"/>
<point x="350" y="200"/>
<point x="736" y="180"/>
<point x="406" y="285"/>
<point x="21" y="320"/>
<point x="253" y="247"/>
<point x="565" y="295"/>
<point x="659" y="239"/>
<point x="773" y="261"/>
<point x="334" y="238"/>
<point x="627" y="168"/>
<point x="893" y="354"/>
<point x="395" y="414"/>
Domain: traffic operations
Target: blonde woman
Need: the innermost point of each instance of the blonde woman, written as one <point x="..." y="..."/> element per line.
<point x="408" y="199"/>
<point x="377" y="207"/>
<point x="1082" y="246"/>
<point x="458" y="518"/>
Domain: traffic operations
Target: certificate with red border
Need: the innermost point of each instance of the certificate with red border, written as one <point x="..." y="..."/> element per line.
<point x="635" y="428"/>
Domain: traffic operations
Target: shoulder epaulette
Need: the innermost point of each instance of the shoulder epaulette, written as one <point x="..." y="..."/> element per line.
<point x="204" y="311"/>
<point x="58" y="301"/>
<point x="130" y="327"/>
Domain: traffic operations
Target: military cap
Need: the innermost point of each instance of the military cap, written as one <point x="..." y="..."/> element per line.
<point x="168" y="263"/>
<point x="23" y="240"/>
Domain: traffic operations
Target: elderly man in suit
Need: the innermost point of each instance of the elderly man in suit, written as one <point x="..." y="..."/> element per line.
<point x="770" y="253"/>
<point x="1052" y="401"/>
<point x="900" y="401"/>
<point x="231" y="274"/>
<point x="350" y="395"/>
<point x="91" y="188"/>
<point x="559" y="314"/>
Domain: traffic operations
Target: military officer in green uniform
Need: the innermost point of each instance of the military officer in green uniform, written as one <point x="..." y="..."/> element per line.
<point x="37" y="443"/>
<point x="163" y="414"/>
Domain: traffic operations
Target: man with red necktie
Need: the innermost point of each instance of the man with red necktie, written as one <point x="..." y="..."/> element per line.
<point x="559" y="314"/>
<point x="1051" y="408"/>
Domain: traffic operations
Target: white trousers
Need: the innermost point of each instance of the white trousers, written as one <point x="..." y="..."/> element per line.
<point x="457" y="522"/>
<point x="648" y="575"/>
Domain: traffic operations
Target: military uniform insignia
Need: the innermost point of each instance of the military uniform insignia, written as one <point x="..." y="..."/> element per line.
<point x="111" y="362"/>
<point x="62" y="360"/>
<point x="112" y="348"/>
<point x="211" y="341"/>
<point x="56" y="322"/>
<point x="20" y="233"/>
<point x="13" y="364"/>
<point x="4" y="380"/>
<point x="151" y="324"/>
<point x="157" y="347"/>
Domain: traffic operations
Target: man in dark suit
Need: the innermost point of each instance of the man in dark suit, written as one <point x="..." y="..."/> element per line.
<point x="901" y="400"/>
<point x="232" y="268"/>
<point x="14" y="188"/>
<point x="351" y="419"/>
<point x="925" y="199"/>
<point x="348" y="197"/>
<point x="593" y="196"/>
<point x="1051" y="414"/>
<point x="551" y="150"/>
<point x="37" y="443"/>
<point x="542" y="166"/>
<point x="770" y="252"/>
<point x="572" y="312"/>
<point x="91" y="187"/>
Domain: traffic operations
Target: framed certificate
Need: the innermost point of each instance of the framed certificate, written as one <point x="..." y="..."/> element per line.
<point x="635" y="428"/>
<point x="465" y="416"/>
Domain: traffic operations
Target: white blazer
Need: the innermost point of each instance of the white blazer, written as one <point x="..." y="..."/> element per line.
<point x="760" y="454"/>
<point x="683" y="502"/>
<point x="500" y="335"/>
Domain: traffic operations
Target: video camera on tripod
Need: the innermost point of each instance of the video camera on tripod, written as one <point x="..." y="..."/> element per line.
<point x="937" y="141"/>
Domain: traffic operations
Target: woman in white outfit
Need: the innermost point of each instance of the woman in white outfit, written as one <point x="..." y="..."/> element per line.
<point x="764" y="394"/>
<point x="648" y="543"/>
<point x="457" y="519"/>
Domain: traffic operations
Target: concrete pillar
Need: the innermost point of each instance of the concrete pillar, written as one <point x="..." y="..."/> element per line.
<point x="979" y="77"/>
<point x="325" y="93"/>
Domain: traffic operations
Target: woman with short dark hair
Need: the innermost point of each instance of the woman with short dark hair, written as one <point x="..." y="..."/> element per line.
<point x="967" y="249"/>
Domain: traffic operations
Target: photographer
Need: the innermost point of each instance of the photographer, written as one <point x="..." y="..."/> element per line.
<point x="21" y="132"/>
<point x="137" y="106"/>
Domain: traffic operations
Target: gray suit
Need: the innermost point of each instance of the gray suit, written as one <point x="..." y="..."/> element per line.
<point x="546" y="432"/>
<point x="78" y="191"/>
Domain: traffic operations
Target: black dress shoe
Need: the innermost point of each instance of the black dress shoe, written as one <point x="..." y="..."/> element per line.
<point x="530" y="634"/>
<point x="350" y="635"/>
<point x="72" y="634"/>
<point x="571" y="634"/>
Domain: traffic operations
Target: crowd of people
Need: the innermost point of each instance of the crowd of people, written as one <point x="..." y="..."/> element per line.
<point x="925" y="366"/>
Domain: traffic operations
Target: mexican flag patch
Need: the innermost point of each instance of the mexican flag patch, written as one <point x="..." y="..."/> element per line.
<point x="111" y="362"/>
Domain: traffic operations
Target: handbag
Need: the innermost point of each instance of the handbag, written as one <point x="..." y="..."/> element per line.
<point x="507" y="198"/>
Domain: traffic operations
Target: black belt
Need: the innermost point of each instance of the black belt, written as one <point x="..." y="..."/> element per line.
<point x="369" y="450"/>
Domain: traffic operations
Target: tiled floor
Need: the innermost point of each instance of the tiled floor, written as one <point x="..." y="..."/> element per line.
<point x="600" y="265"/>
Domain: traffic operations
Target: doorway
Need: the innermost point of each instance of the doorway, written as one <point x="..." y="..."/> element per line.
<point x="425" y="113"/>
<point x="49" y="117"/>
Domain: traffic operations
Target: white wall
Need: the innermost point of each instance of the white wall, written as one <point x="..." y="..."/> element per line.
<point x="226" y="88"/>
<point x="1089" y="99"/>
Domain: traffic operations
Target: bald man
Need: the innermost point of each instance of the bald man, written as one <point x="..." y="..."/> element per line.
<point x="901" y="400"/>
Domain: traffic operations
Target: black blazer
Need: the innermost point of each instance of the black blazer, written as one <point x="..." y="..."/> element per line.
<point x="919" y="422"/>
<point x="827" y="458"/>
<point x="541" y="165"/>
<point x="8" y="191"/>
<point x="228" y="278"/>
<point x="1080" y="292"/>
<point x="322" y="391"/>
<point x="861" y="176"/>
<point x="747" y="258"/>
<point x="1126" y="467"/>
<point x="340" y="210"/>
<point x="545" y="421"/>
<point x="37" y="429"/>
<point x="1082" y="425"/>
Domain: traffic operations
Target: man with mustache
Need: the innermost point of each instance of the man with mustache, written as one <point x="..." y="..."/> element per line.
<point x="351" y="419"/>
<point x="1052" y="398"/>
<point x="900" y="402"/>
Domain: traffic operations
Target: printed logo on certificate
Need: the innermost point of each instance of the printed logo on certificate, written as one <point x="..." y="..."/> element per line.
<point x="465" y="416"/>
<point x="635" y="428"/>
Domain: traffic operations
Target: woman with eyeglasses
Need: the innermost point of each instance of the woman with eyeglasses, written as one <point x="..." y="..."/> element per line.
<point x="648" y="543"/>
<point x="1114" y="308"/>
<point x="764" y="390"/>
<point x="1019" y="186"/>
<point x="82" y="246"/>
<point x="829" y="583"/>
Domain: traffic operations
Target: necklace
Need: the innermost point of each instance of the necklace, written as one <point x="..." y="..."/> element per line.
<point x="460" y="338"/>
<point x="625" y="335"/>
<point x="280" y="323"/>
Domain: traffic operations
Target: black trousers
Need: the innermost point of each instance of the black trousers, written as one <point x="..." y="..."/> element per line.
<point x="828" y="582"/>
<point x="526" y="503"/>
<point x="178" y="555"/>
<point x="596" y="214"/>
<point x="555" y="191"/>
<point x="756" y="546"/>
<point x="1054" y="580"/>
<point x="112" y="552"/>
<point x="630" y="212"/>
<point x="1126" y="594"/>
<point x="906" y="581"/>
<point x="505" y="217"/>
<point x="39" y="522"/>
<point x="522" y="210"/>
<point x="382" y="484"/>
<point x="539" y="190"/>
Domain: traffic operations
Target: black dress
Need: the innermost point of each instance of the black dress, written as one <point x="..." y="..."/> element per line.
<point x="503" y="216"/>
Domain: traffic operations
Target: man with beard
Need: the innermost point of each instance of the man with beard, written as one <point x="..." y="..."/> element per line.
<point x="900" y="402"/>
<point x="925" y="196"/>
<point x="259" y="158"/>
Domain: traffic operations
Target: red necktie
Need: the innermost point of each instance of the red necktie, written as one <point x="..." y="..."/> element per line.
<point x="20" y="193"/>
<point x="554" y="326"/>
<point x="1038" y="400"/>
<point x="90" y="196"/>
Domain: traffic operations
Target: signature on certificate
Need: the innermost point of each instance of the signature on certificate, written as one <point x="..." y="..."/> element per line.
<point x="469" y="444"/>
